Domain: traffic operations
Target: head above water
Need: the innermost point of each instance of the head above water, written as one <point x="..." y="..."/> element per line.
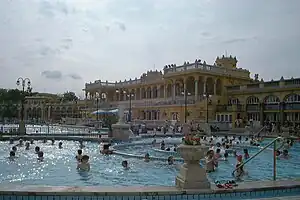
<point x="12" y="154"/>
<point x="85" y="158"/>
<point x="14" y="148"/>
<point x="37" y="149"/>
<point x="79" y="151"/>
<point x="40" y="154"/>
<point x="125" y="163"/>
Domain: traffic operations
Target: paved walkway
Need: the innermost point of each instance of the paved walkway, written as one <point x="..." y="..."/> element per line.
<point x="279" y="198"/>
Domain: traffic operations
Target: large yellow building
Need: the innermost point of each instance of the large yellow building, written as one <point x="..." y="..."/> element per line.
<point x="232" y="94"/>
<point x="160" y="95"/>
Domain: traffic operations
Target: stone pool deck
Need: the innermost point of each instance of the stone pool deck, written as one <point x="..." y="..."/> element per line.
<point x="247" y="190"/>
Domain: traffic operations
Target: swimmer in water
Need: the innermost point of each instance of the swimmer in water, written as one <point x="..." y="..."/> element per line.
<point x="27" y="145"/>
<point x="14" y="149"/>
<point x="79" y="155"/>
<point x="37" y="149"/>
<point x="52" y="142"/>
<point x="170" y="160"/>
<point x="40" y="156"/>
<point x="20" y="143"/>
<point x="147" y="157"/>
<point x="31" y="141"/>
<point x="125" y="164"/>
<point x="84" y="165"/>
<point x="285" y="154"/>
<point x="60" y="145"/>
<point x="11" y="141"/>
<point x="239" y="167"/>
<point x="246" y="154"/>
<point x="12" y="155"/>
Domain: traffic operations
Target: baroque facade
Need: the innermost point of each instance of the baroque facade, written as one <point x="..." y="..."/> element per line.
<point x="44" y="108"/>
<point x="276" y="101"/>
<point x="164" y="95"/>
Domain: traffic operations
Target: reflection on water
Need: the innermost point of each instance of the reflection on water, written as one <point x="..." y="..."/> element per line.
<point x="59" y="166"/>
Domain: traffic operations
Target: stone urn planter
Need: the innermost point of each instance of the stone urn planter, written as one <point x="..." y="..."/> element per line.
<point x="191" y="174"/>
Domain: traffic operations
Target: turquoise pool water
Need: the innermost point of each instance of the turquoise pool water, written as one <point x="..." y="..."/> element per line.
<point x="59" y="167"/>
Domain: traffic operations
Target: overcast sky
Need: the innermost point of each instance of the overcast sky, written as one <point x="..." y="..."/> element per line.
<point x="61" y="44"/>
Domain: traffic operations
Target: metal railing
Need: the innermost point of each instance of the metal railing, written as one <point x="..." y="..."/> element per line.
<point x="274" y="157"/>
<point x="260" y="130"/>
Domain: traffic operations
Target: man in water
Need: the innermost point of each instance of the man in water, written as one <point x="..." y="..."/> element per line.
<point x="84" y="165"/>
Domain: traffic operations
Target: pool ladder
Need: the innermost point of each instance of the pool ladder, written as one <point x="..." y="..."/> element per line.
<point x="264" y="148"/>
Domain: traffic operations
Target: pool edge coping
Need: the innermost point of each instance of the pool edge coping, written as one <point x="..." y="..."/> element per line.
<point x="15" y="189"/>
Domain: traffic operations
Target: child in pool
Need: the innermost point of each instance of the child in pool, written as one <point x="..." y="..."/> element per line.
<point x="285" y="154"/>
<point x="27" y="145"/>
<point x="246" y="154"/>
<point x="218" y="154"/>
<point x="14" y="149"/>
<point x="147" y="157"/>
<point x="79" y="155"/>
<point x="37" y="149"/>
<point x="125" y="164"/>
<point x="12" y="155"/>
<point x="170" y="160"/>
<point x="84" y="165"/>
<point x="60" y="145"/>
<point x="40" y="156"/>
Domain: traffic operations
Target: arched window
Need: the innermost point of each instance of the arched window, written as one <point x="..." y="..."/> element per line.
<point x="252" y="100"/>
<point x="292" y="98"/>
<point x="271" y="99"/>
<point x="233" y="101"/>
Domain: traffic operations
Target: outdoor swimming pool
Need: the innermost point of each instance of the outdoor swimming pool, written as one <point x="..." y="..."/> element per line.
<point x="59" y="167"/>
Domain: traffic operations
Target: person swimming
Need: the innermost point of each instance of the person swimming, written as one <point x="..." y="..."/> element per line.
<point x="246" y="154"/>
<point x="147" y="157"/>
<point x="37" y="149"/>
<point x="52" y="141"/>
<point x="162" y="145"/>
<point x="11" y="141"/>
<point x="27" y="145"/>
<point x="79" y="155"/>
<point x="31" y="141"/>
<point x="40" y="156"/>
<point x="14" y="149"/>
<point x="12" y="155"/>
<point x="20" y="143"/>
<point x="285" y="154"/>
<point x="84" y="165"/>
<point x="125" y="164"/>
<point x="170" y="160"/>
<point x="60" y="145"/>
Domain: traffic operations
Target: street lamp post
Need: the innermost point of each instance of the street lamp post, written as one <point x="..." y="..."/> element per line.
<point x="25" y="84"/>
<point x="186" y="94"/>
<point x="97" y="108"/>
<point x="207" y="96"/>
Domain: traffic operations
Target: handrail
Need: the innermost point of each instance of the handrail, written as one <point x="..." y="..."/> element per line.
<point x="260" y="130"/>
<point x="264" y="148"/>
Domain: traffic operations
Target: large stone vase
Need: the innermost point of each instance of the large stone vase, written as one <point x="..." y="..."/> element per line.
<point x="191" y="174"/>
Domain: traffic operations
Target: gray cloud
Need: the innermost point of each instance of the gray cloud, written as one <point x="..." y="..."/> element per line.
<point x="121" y="25"/>
<point x="56" y="75"/>
<point x="75" y="76"/>
<point x="61" y="34"/>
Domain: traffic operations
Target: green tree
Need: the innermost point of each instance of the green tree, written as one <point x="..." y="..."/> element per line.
<point x="69" y="96"/>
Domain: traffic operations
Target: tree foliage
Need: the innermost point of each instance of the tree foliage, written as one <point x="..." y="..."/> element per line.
<point x="69" y="96"/>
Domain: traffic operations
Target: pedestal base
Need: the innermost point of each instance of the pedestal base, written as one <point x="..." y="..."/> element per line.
<point x="121" y="132"/>
<point x="192" y="176"/>
<point x="22" y="128"/>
